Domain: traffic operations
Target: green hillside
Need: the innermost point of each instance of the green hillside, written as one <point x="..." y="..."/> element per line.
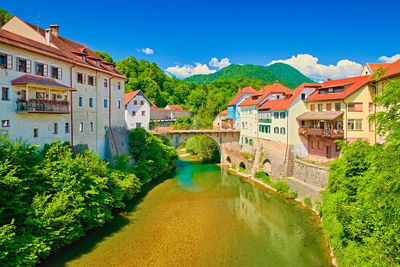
<point x="280" y="72"/>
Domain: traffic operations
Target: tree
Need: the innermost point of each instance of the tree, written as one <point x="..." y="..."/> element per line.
<point x="4" y="16"/>
<point x="104" y="56"/>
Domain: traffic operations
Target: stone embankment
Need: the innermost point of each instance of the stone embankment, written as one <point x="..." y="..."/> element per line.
<point x="279" y="162"/>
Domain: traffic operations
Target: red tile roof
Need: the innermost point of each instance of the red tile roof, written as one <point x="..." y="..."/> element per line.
<point x="392" y="69"/>
<point x="256" y="98"/>
<point x="130" y="95"/>
<point x="284" y="103"/>
<point x="350" y="86"/>
<point x="224" y="112"/>
<point x="175" y="107"/>
<point x="30" y="79"/>
<point x="64" y="49"/>
<point x="374" y="66"/>
<point x="241" y="92"/>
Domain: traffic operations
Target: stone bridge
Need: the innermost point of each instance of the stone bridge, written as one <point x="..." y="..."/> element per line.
<point x="220" y="137"/>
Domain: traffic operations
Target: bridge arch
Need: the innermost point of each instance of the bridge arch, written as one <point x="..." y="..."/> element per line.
<point x="267" y="167"/>
<point x="228" y="159"/>
<point x="242" y="165"/>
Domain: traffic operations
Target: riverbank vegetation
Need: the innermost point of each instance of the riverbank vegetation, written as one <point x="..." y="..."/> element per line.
<point x="204" y="147"/>
<point x="50" y="198"/>
<point x="361" y="207"/>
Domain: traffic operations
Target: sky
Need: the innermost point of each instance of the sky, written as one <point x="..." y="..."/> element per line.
<point x="322" y="39"/>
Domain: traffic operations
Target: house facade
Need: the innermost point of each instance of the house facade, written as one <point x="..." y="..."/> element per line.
<point x="54" y="88"/>
<point x="137" y="110"/>
<point x="234" y="109"/>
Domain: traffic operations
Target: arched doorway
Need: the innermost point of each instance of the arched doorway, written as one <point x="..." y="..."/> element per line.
<point x="267" y="167"/>
<point x="228" y="159"/>
<point x="242" y="166"/>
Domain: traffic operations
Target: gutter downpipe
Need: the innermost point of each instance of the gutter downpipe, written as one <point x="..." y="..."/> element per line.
<point x="345" y="105"/>
<point x="109" y="115"/>
<point x="72" y="117"/>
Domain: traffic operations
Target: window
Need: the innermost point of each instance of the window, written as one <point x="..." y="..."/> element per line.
<point x="35" y="132"/>
<point x="355" y="124"/>
<point x="320" y="107"/>
<point x="261" y="128"/>
<point x="138" y="125"/>
<point x="276" y="115"/>
<point x="5" y="123"/>
<point x="303" y="96"/>
<point x="3" y="61"/>
<point x="247" y="140"/>
<point x="24" y="65"/>
<point x="371" y="107"/>
<point x="80" y="101"/>
<point x="55" y="128"/>
<point x="98" y="62"/>
<point x="55" y="72"/>
<point x="268" y="129"/>
<point x="141" y="102"/>
<point x="91" y="126"/>
<point x="5" y="96"/>
<point x="314" y="145"/>
<point x="276" y="130"/>
<point x="283" y="130"/>
<point x="90" y="80"/>
<point x="83" y="58"/>
<point x="81" y="127"/>
<point x="135" y="102"/>
<point x="41" y="69"/>
<point x="338" y="106"/>
<point x="251" y="142"/>
<point x="133" y="113"/>
<point x="355" y="107"/>
<point x="320" y="145"/>
<point x="119" y="85"/>
<point x="105" y="103"/>
<point x="119" y="104"/>
<point x="337" y="148"/>
<point x="66" y="127"/>
<point x="80" y="78"/>
<point x="282" y="115"/>
<point x="105" y="83"/>
<point x="91" y="102"/>
<point x="329" y="107"/>
<point x="143" y="113"/>
<point x="312" y="107"/>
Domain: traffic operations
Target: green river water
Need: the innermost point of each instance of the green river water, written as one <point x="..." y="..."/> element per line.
<point x="203" y="217"/>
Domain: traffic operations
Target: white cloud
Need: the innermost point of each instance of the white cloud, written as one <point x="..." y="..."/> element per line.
<point x="391" y="59"/>
<point x="219" y="64"/>
<point x="309" y="66"/>
<point x="189" y="70"/>
<point x="147" y="51"/>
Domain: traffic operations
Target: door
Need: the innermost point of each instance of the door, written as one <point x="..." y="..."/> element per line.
<point x="328" y="152"/>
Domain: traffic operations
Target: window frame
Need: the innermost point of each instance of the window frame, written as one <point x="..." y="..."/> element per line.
<point x="7" y="94"/>
<point x="5" y="123"/>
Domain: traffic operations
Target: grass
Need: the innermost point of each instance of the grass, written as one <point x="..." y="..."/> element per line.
<point x="233" y="166"/>
<point x="242" y="169"/>
<point x="246" y="155"/>
<point x="308" y="202"/>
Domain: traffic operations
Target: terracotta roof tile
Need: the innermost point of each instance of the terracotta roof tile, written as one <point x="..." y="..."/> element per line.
<point x="256" y="98"/>
<point x="130" y="95"/>
<point x="30" y="79"/>
<point x="175" y="107"/>
<point x="241" y="92"/>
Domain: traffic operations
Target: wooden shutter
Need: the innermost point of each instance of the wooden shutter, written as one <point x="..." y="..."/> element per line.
<point x="94" y="80"/>
<point x="9" y="61"/>
<point x="45" y="70"/>
<point x="59" y="73"/>
<point x="16" y="63"/>
<point x="28" y="66"/>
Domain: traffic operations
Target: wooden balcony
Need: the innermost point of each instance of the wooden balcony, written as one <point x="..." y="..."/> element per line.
<point x="43" y="106"/>
<point x="329" y="133"/>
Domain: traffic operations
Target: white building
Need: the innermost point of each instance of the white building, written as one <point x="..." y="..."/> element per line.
<point x="55" y="88"/>
<point x="249" y="112"/>
<point x="277" y="118"/>
<point x="137" y="110"/>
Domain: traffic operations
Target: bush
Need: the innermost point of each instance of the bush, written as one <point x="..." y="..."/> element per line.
<point x="203" y="146"/>
<point x="241" y="169"/>
<point x="308" y="202"/>
<point x="282" y="187"/>
<point x="263" y="176"/>
<point x="293" y="194"/>
<point x="233" y="166"/>
<point x="49" y="198"/>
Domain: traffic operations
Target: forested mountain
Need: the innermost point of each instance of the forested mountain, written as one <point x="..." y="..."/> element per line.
<point x="283" y="73"/>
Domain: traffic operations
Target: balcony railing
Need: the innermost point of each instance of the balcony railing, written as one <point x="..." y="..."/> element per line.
<point x="42" y="106"/>
<point x="332" y="133"/>
<point x="265" y="120"/>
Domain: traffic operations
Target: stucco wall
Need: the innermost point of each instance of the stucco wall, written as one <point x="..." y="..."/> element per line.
<point x="144" y="119"/>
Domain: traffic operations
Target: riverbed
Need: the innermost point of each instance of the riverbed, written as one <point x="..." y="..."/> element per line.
<point x="203" y="216"/>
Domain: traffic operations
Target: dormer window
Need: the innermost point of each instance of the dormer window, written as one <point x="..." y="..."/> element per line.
<point x="111" y="67"/>
<point x="98" y="63"/>
<point x="84" y="58"/>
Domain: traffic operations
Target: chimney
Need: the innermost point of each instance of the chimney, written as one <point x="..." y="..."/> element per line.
<point x="239" y="89"/>
<point x="54" y="29"/>
<point x="47" y="36"/>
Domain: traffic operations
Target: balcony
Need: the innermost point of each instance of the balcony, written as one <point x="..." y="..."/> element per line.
<point x="42" y="106"/>
<point x="265" y="120"/>
<point x="329" y="133"/>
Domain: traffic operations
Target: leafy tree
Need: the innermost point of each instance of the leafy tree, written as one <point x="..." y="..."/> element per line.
<point x="104" y="56"/>
<point x="4" y="16"/>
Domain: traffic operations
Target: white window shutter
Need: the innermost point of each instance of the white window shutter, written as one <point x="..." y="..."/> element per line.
<point x="45" y="70"/>
<point x="84" y="78"/>
<point x="9" y="61"/>
<point x="28" y="66"/>
<point x="59" y="73"/>
<point x="94" y="80"/>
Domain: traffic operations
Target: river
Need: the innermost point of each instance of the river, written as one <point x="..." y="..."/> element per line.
<point x="203" y="216"/>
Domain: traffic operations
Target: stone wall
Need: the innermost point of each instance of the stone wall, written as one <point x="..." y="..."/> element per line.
<point x="311" y="173"/>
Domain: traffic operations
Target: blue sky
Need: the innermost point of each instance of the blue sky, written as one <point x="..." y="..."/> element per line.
<point x="182" y="33"/>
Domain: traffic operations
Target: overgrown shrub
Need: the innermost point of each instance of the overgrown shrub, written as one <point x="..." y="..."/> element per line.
<point x="293" y="194"/>
<point x="282" y="187"/>
<point x="233" y="166"/>
<point x="308" y="202"/>
<point x="263" y="176"/>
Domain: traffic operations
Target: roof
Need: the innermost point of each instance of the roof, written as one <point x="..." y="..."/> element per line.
<point x="327" y="115"/>
<point x="241" y="92"/>
<point x="392" y="69"/>
<point x="61" y="49"/>
<point x="130" y="95"/>
<point x="30" y="79"/>
<point x="174" y="107"/>
<point x="224" y="112"/>
<point x="374" y="66"/>
<point x="257" y="97"/>
<point x="269" y="104"/>
<point x="350" y="86"/>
